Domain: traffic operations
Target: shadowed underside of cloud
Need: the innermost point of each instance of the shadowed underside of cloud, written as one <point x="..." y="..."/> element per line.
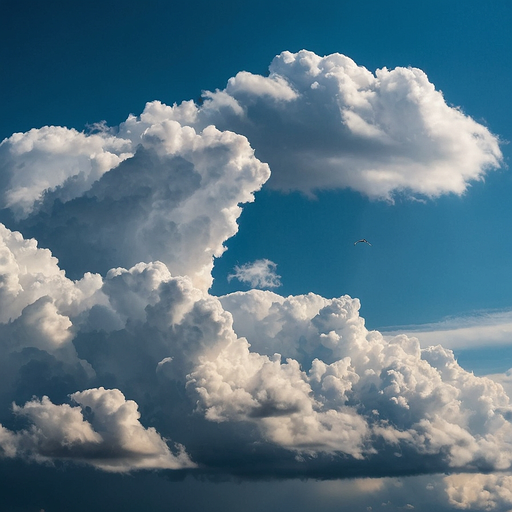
<point x="134" y="365"/>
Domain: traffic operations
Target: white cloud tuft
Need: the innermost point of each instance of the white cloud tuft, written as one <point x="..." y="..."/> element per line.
<point x="53" y="156"/>
<point x="258" y="274"/>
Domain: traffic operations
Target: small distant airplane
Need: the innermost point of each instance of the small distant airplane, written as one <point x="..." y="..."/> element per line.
<point x="363" y="240"/>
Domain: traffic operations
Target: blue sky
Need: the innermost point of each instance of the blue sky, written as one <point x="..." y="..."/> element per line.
<point x="439" y="266"/>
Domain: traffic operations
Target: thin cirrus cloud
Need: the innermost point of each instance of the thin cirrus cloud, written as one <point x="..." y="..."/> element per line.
<point x="464" y="332"/>
<point x="130" y="363"/>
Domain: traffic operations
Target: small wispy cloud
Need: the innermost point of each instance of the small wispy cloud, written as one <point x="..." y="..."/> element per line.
<point x="463" y="332"/>
<point x="258" y="274"/>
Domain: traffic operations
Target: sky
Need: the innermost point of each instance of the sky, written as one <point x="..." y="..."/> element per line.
<point x="186" y="321"/>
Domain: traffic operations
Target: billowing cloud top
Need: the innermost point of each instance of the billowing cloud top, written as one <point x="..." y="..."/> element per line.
<point x="156" y="190"/>
<point x="325" y="122"/>
<point x="135" y="365"/>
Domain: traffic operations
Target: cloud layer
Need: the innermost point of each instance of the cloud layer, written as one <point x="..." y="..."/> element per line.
<point x="300" y="379"/>
<point x="465" y="332"/>
<point x="125" y="361"/>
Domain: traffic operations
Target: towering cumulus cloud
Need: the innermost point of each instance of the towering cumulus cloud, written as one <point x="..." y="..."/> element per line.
<point x="172" y="194"/>
<point x="130" y="363"/>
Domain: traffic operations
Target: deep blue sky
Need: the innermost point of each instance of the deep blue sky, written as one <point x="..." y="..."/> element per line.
<point x="70" y="63"/>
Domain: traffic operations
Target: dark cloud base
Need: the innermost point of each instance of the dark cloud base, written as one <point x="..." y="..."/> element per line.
<point x="65" y="487"/>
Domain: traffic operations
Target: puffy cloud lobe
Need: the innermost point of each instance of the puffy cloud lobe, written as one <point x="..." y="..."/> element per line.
<point x="28" y="273"/>
<point x="243" y="386"/>
<point x="479" y="491"/>
<point x="325" y="122"/>
<point x="388" y="390"/>
<point x="170" y="318"/>
<point x="103" y="431"/>
<point x="258" y="274"/>
<point x="173" y="195"/>
<point x="54" y="156"/>
<point x="39" y="308"/>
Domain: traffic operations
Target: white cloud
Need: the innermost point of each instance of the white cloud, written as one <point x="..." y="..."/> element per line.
<point x="167" y="185"/>
<point x="103" y="431"/>
<point x="251" y="381"/>
<point x="339" y="375"/>
<point x="479" y="491"/>
<point x="29" y="273"/>
<point x="53" y="156"/>
<point x="243" y="386"/>
<point x="172" y="195"/>
<point x="258" y="274"/>
<point x="303" y="370"/>
<point x="325" y="122"/>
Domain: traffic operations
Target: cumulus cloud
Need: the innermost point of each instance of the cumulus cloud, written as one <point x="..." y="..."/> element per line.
<point x="173" y="194"/>
<point x="326" y="122"/>
<point x="301" y="374"/>
<point x="127" y="362"/>
<point x="258" y="274"/>
<point x="169" y="181"/>
<point x="479" y="491"/>
<point x="112" y="438"/>
<point x="379" y="391"/>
